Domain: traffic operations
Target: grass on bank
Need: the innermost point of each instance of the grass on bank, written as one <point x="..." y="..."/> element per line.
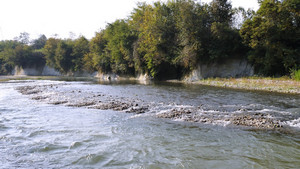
<point x="296" y="74"/>
<point x="282" y="84"/>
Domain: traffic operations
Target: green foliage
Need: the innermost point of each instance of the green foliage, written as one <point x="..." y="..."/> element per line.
<point x="166" y="40"/>
<point x="63" y="56"/>
<point x="180" y="34"/>
<point x="23" y="38"/>
<point x="49" y="51"/>
<point x="272" y="33"/>
<point x="120" y="38"/>
<point x="14" y="53"/>
<point x="296" y="74"/>
<point x="193" y="33"/>
<point x="79" y="50"/>
<point x="40" y="42"/>
<point x="221" y="12"/>
<point x="97" y="58"/>
<point x="157" y="35"/>
<point x="66" y="55"/>
<point x="225" y="43"/>
<point x="6" y="47"/>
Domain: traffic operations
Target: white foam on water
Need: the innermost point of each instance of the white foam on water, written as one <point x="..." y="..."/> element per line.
<point x="163" y="111"/>
<point x="136" y="116"/>
<point x="2" y="94"/>
<point x="221" y="122"/>
<point x="179" y="119"/>
<point x="272" y="111"/>
<point x="212" y="111"/>
<point x="175" y="106"/>
<point x="293" y="123"/>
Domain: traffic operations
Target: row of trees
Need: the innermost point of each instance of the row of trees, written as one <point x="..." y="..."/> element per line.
<point x="18" y="53"/>
<point x="273" y="35"/>
<point x="170" y="39"/>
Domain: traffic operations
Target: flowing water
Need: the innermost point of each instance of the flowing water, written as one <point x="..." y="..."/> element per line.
<point x="50" y="128"/>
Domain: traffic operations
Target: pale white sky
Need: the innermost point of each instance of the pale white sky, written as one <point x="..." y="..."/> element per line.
<point x="82" y="17"/>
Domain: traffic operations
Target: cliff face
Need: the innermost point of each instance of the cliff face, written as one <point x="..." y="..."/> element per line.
<point x="47" y="71"/>
<point x="35" y="71"/>
<point x="142" y="78"/>
<point x="228" y="68"/>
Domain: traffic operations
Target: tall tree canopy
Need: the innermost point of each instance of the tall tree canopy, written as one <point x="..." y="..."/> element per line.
<point x="167" y="40"/>
<point x="80" y="48"/>
<point x="273" y="35"/>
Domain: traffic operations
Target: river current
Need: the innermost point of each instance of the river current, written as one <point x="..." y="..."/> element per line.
<point x="69" y="124"/>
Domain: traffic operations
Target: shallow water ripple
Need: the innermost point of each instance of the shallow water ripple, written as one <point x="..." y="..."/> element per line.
<point x="36" y="134"/>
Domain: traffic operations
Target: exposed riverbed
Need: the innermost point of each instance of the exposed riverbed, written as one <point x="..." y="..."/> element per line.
<point x="71" y="124"/>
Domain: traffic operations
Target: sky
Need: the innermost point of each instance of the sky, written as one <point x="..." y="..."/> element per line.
<point x="60" y="17"/>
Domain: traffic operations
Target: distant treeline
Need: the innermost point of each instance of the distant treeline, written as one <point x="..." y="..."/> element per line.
<point x="167" y="40"/>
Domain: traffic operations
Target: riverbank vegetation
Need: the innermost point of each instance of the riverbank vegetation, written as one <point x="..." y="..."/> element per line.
<point x="168" y="40"/>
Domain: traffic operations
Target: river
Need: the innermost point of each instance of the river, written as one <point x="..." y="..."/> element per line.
<point x="90" y="124"/>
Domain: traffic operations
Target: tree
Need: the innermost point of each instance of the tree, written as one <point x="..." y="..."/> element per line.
<point x="240" y="16"/>
<point x="63" y="57"/>
<point x="225" y="41"/>
<point x="6" y="56"/>
<point x="193" y="24"/>
<point x="221" y="11"/>
<point x="272" y="35"/>
<point x="13" y="53"/>
<point x="97" y="59"/>
<point x="40" y="42"/>
<point x="49" y="51"/>
<point x="80" y="49"/>
<point x="156" y="31"/>
<point x="23" y="38"/>
<point x="119" y="47"/>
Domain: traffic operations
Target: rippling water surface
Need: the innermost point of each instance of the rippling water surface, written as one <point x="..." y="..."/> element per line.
<point x="35" y="134"/>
